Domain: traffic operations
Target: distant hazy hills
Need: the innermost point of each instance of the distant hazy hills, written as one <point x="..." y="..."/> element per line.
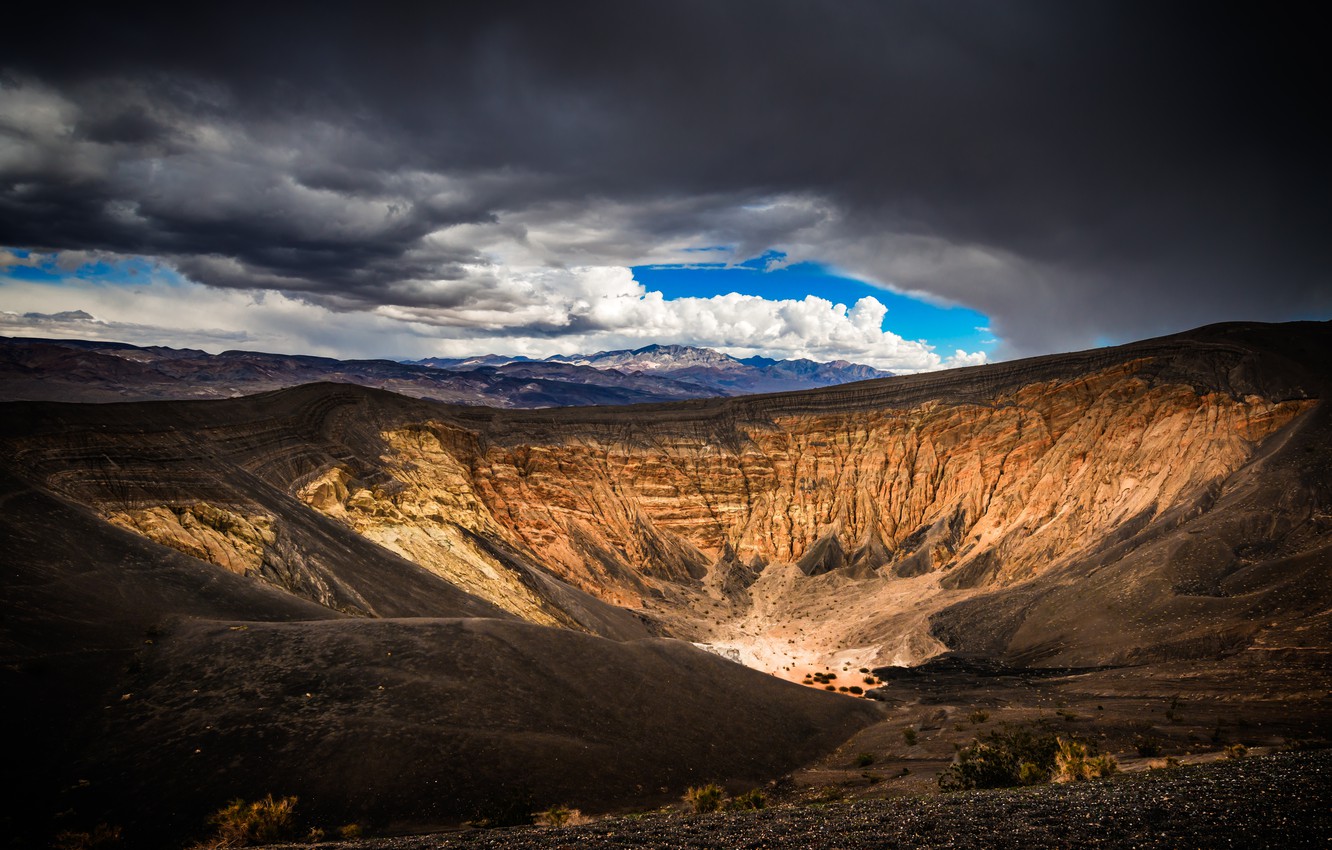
<point x="679" y="369"/>
<point x="80" y="370"/>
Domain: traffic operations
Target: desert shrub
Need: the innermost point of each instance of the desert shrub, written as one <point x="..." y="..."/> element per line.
<point x="1002" y="758"/>
<point x="909" y="735"/>
<point x="513" y="810"/>
<point x="1147" y="746"/>
<point x="864" y="759"/>
<point x="830" y="687"/>
<point x="351" y="830"/>
<point x="748" y="801"/>
<point x="1235" y="751"/>
<point x="242" y="824"/>
<point x="855" y="689"/>
<point x="1031" y="774"/>
<point x="870" y="680"/>
<point x="979" y="716"/>
<point x="560" y="816"/>
<point x="1076" y="761"/>
<point x="102" y="836"/>
<point x="705" y="798"/>
<point x="1105" y="765"/>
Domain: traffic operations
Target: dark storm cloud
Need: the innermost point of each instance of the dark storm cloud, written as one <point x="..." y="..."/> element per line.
<point x="1077" y="170"/>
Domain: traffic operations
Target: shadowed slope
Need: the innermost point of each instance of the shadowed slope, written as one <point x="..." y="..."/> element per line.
<point x="425" y="722"/>
<point x="151" y="687"/>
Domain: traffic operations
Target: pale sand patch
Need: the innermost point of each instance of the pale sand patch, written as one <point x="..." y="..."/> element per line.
<point x="795" y="625"/>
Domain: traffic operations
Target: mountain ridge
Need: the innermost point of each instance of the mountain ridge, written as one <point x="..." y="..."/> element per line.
<point x="715" y="371"/>
<point x="80" y="370"/>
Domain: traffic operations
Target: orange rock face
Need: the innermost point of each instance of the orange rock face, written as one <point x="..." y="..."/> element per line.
<point x="981" y="494"/>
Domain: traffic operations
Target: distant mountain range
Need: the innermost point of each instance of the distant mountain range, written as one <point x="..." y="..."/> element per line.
<point x="81" y="370"/>
<point x="693" y="368"/>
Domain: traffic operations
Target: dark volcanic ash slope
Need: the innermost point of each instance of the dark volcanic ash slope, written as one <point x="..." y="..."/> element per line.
<point x="147" y="685"/>
<point x="420" y="723"/>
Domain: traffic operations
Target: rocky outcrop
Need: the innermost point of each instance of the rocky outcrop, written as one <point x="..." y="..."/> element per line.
<point x="216" y="535"/>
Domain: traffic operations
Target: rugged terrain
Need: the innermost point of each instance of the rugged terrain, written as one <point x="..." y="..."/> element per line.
<point x="82" y="370"/>
<point x="1185" y="807"/>
<point x="717" y="373"/>
<point x="407" y="611"/>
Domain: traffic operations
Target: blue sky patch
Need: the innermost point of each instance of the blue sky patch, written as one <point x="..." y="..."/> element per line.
<point x="946" y="328"/>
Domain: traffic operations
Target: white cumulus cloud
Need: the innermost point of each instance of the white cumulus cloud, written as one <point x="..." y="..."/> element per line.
<point x="536" y="311"/>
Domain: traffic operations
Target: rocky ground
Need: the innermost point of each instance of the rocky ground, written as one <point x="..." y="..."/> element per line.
<point x="1282" y="800"/>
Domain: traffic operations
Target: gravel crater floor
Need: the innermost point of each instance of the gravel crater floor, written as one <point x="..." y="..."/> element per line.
<point x="1282" y="800"/>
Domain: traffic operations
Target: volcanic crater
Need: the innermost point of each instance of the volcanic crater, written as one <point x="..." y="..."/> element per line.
<point x="403" y="611"/>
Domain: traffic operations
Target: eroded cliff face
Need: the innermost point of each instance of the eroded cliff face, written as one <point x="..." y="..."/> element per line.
<point x="727" y="540"/>
<point x="430" y="515"/>
<point x="234" y="542"/>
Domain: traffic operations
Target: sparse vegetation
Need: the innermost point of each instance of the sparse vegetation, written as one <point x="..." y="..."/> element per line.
<point x="1235" y="751"/>
<point x="1147" y="746"/>
<point x="1002" y="758"/>
<point x="749" y="801"/>
<point x="864" y="759"/>
<point x="1011" y="757"/>
<point x="351" y="830"/>
<point x="979" y="716"/>
<point x="242" y="824"/>
<point x="560" y="816"/>
<point x="101" y="836"/>
<point x="1076" y="761"/>
<point x="499" y="812"/>
<point x="909" y="736"/>
<point x="704" y="798"/>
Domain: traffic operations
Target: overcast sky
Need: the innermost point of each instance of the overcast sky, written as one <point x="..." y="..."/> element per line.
<point x="487" y="176"/>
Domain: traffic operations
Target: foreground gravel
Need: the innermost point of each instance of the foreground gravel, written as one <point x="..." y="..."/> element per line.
<point x="1282" y="800"/>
